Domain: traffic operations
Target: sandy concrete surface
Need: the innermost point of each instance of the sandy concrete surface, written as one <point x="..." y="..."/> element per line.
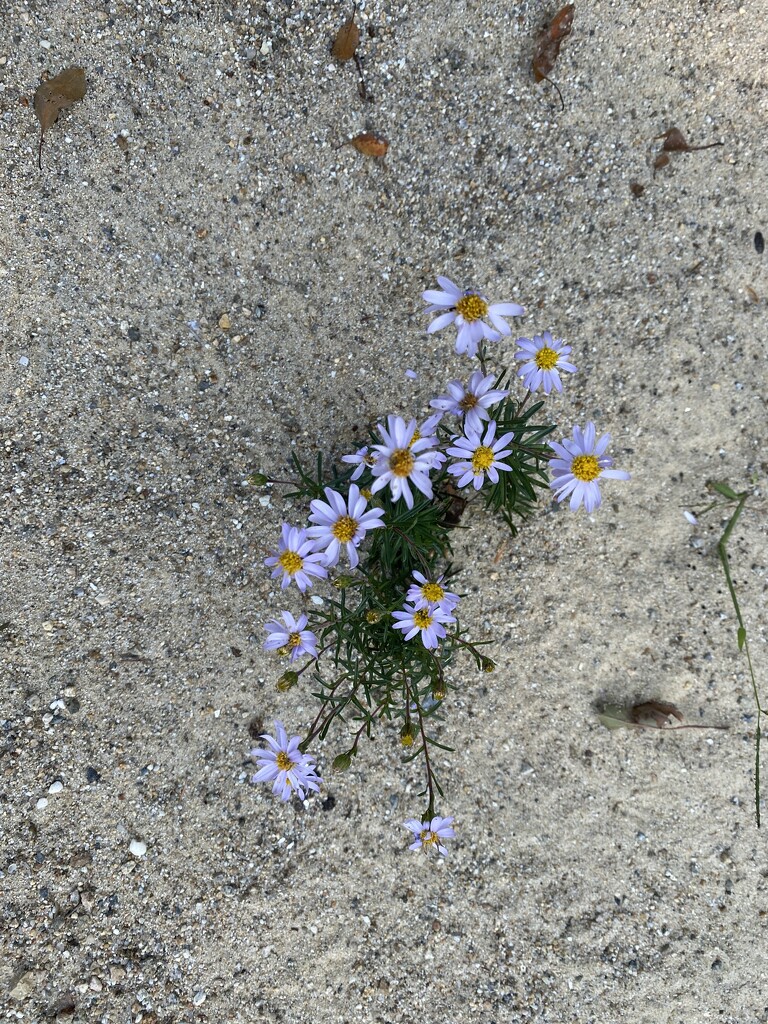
<point x="199" y="282"/>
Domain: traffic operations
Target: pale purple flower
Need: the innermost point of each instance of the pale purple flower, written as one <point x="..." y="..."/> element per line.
<point x="427" y="430"/>
<point x="472" y="402"/>
<point x="691" y="518"/>
<point x="285" y="765"/>
<point x="361" y="459"/>
<point x="291" y="635"/>
<point x="341" y="523"/>
<point x="296" y="559"/>
<point x="427" y="621"/>
<point x="479" y="457"/>
<point x="402" y="461"/>
<point x="578" y="464"/>
<point x="425" y="593"/>
<point x="468" y="310"/>
<point x="429" y="833"/>
<point x="543" y="356"/>
<point x="411" y="375"/>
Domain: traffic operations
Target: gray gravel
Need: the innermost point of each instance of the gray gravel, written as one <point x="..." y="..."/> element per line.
<point x="203" y="280"/>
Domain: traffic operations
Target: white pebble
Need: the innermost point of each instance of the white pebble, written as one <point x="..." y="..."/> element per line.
<point x="45" y="44"/>
<point x="137" y="848"/>
<point x="198" y="998"/>
<point x="24" y="361"/>
<point x="56" y="787"/>
<point x="41" y="804"/>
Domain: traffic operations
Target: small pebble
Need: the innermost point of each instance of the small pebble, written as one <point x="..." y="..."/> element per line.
<point x="224" y="322"/>
<point x="56" y="787"/>
<point x="137" y="848"/>
<point x="198" y="998"/>
<point x="759" y="243"/>
<point x="41" y="804"/>
<point x="24" y="361"/>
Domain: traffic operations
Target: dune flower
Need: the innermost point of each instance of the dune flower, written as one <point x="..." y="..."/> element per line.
<point x="578" y="464"/>
<point x="469" y="311"/>
<point x="285" y="765"/>
<point x="341" y="523"/>
<point x="403" y="461"/>
<point x="543" y="357"/>
<point x="479" y="457"/>
<point x="426" y="593"/>
<point x="291" y="637"/>
<point x="427" y="621"/>
<point x="296" y="559"/>
<point x="428" y="834"/>
<point x="361" y="459"/>
<point x="472" y="402"/>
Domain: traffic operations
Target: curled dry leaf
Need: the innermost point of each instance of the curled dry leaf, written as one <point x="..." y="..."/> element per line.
<point x="370" y="145"/>
<point x="548" y="45"/>
<point x="55" y="95"/>
<point x="675" y="142"/>
<point x="649" y="714"/>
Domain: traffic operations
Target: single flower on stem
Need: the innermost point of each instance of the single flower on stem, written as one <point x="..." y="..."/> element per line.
<point x="361" y="459"/>
<point x="473" y="401"/>
<point x="427" y="621"/>
<point x="578" y="464"/>
<point x="293" y="637"/>
<point x="479" y="457"/>
<point x="428" y="834"/>
<point x="468" y="310"/>
<point x="403" y="461"/>
<point x="341" y="522"/>
<point x="425" y="593"/>
<point x="296" y="559"/>
<point x="285" y="765"/>
<point x="543" y="357"/>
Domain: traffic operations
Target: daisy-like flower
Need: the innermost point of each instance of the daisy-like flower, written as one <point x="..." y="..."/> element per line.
<point x="427" y="430"/>
<point x="403" y="461"/>
<point x="427" y="621"/>
<point x="341" y="523"/>
<point x="291" y="637"/>
<point x="472" y="402"/>
<point x="296" y="559"/>
<point x="426" y="593"/>
<point x="578" y="464"/>
<point x="468" y="310"/>
<point x="360" y="459"/>
<point x="479" y="457"/>
<point x="543" y="356"/>
<point x="285" y="765"/>
<point x="428" y="834"/>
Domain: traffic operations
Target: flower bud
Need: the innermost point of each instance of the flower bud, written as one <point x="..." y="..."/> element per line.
<point x="341" y="582"/>
<point x="408" y="734"/>
<point x="438" y="691"/>
<point x="372" y="616"/>
<point x="258" y="479"/>
<point x="341" y="762"/>
<point x="287" y="680"/>
<point x="488" y="665"/>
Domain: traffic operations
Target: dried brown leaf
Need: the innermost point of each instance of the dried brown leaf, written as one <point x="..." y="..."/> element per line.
<point x="347" y="38"/>
<point x="56" y="95"/>
<point x="370" y="145"/>
<point x="548" y="45"/>
<point x="656" y="711"/>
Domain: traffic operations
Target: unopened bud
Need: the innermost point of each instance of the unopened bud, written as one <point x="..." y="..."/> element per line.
<point x="372" y="616"/>
<point x="438" y="691"/>
<point x="488" y="665"/>
<point x="258" y="479"/>
<point x="341" y="582"/>
<point x="408" y="734"/>
<point x="287" y="680"/>
<point x="341" y="762"/>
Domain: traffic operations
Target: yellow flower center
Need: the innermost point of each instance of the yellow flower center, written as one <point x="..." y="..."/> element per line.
<point x="284" y="763"/>
<point x="433" y="592"/>
<point x="401" y="462"/>
<point x="344" y="529"/>
<point x="366" y="493"/>
<point x="294" y="640"/>
<point x="369" y="459"/>
<point x="422" y="619"/>
<point x="472" y="307"/>
<point x="482" y="459"/>
<point x="546" y="358"/>
<point x="586" y="468"/>
<point x="427" y="837"/>
<point x="290" y="562"/>
<point x="468" y="402"/>
<point x="415" y="438"/>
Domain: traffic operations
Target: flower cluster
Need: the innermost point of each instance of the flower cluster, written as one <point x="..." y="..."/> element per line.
<point x="393" y="628"/>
